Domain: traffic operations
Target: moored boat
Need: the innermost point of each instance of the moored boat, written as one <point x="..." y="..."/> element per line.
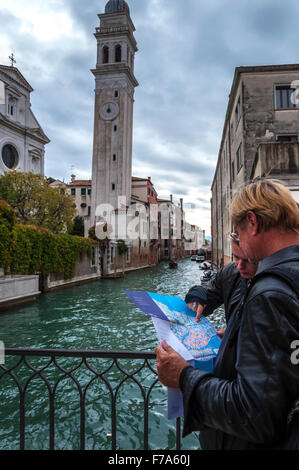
<point x="173" y="265"/>
<point x="207" y="276"/>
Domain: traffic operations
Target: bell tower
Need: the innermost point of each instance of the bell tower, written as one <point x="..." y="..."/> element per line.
<point x="113" y="110"/>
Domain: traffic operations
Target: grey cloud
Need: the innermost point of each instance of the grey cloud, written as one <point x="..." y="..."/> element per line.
<point x="202" y="200"/>
<point x="9" y="20"/>
<point x="85" y="15"/>
<point x="202" y="208"/>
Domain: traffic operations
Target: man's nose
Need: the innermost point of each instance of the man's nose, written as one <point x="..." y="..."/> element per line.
<point x="241" y="264"/>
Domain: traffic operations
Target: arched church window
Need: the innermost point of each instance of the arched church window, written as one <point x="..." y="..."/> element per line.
<point x="105" y="55"/>
<point x="118" y="53"/>
<point x="11" y="109"/>
<point x="10" y="156"/>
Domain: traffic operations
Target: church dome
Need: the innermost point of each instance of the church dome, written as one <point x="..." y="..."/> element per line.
<point x="115" y="6"/>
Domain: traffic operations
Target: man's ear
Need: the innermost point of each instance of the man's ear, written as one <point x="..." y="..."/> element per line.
<point x="252" y="222"/>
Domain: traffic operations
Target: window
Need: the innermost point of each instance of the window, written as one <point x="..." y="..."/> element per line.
<point x="73" y="191"/>
<point x="238" y="112"/>
<point x="233" y="171"/>
<point x="89" y="192"/>
<point x="11" y="107"/>
<point x="116" y="94"/>
<point x="114" y="157"/>
<point x="232" y="132"/>
<point x="83" y="191"/>
<point x="89" y="210"/>
<point x="118" y="53"/>
<point x="105" y="55"/>
<point x="239" y="158"/>
<point x="10" y="156"/>
<point x="112" y="254"/>
<point x="93" y="256"/>
<point x="287" y="138"/>
<point x="115" y="128"/>
<point x="113" y="186"/>
<point x="284" y="95"/>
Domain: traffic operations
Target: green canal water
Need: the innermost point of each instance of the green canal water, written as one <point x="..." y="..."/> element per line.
<point x="92" y="316"/>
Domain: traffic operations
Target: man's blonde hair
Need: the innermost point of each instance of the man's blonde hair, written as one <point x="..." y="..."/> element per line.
<point x="272" y="203"/>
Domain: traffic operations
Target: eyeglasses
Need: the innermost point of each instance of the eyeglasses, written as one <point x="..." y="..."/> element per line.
<point x="234" y="237"/>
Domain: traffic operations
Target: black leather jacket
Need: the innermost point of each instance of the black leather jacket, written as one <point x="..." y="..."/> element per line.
<point x="244" y="404"/>
<point x="224" y="289"/>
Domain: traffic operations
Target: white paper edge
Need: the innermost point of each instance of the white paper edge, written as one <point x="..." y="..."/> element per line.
<point x="163" y="331"/>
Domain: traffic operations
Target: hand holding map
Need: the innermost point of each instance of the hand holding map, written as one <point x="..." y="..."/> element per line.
<point x="170" y="365"/>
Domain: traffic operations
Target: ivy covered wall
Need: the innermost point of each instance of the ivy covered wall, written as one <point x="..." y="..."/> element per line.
<point x="26" y="249"/>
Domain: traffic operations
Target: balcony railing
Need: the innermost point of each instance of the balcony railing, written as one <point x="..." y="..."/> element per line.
<point x="26" y="365"/>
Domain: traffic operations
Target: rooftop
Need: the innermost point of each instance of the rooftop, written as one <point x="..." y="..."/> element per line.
<point x="80" y="183"/>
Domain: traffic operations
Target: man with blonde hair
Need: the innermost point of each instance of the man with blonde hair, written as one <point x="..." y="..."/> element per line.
<point x="225" y="288"/>
<point x="255" y="406"/>
<point x="266" y="214"/>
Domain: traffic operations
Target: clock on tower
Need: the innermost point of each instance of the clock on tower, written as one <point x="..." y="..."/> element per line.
<point x="109" y="111"/>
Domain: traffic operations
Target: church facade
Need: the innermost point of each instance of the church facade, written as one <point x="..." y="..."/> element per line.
<point x="22" y="139"/>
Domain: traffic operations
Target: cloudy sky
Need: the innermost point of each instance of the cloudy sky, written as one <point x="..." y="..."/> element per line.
<point x="188" y="50"/>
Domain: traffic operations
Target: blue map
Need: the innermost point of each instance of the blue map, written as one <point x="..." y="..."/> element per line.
<point x="200" y="339"/>
<point x="174" y="321"/>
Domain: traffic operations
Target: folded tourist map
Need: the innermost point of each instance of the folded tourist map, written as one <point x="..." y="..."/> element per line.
<point x="175" y="322"/>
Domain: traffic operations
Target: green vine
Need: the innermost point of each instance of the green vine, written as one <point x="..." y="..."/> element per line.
<point x="122" y="247"/>
<point x="26" y="249"/>
<point x="7" y="223"/>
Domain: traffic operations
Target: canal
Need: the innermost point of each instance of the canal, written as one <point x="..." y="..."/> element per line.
<point x="95" y="316"/>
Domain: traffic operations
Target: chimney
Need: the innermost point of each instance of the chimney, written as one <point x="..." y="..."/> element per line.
<point x="73" y="177"/>
<point x="181" y="202"/>
<point x="171" y="197"/>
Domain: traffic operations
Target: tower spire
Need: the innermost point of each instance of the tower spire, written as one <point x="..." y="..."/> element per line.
<point x="114" y="99"/>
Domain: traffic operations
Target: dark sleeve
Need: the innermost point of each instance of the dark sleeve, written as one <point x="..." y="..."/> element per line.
<point x="210" y="294"/>
<point x="255" y="405"/>
<point x="196" y="294"/>
<point x="223" y="289"/>
<point x="214" y="291"/>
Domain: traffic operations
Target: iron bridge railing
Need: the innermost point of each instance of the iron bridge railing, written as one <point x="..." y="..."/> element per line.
<point x="24" y="358"/>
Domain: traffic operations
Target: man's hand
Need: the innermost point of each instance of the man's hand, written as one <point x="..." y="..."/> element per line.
<point x="220" y="332"/>
<point x="169" y="365"/>
<point x="198" y="308"/>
